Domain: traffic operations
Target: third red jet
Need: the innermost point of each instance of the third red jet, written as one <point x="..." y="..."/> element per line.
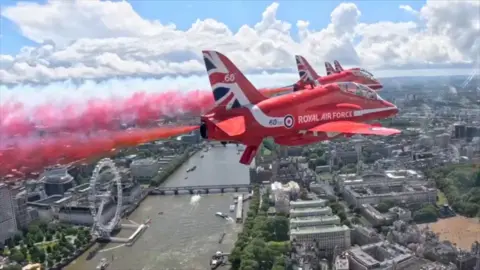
<point x="243" y="114"/>
<point x="309" y="76"/>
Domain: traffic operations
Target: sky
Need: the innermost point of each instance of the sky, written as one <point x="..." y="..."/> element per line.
<point x="50" y="46"/>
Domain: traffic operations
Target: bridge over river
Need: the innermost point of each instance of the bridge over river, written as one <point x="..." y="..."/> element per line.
<point x="199" y="189"/>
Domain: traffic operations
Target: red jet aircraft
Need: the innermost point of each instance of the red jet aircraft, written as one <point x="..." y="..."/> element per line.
<point x="309" y="78"/>
<point x="243" y="114"/>
<point x="308" y="75"/>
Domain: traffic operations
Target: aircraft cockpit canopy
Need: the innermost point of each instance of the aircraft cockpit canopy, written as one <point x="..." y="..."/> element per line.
<point x="358" y="90"/>
<point x="363" y="73"/>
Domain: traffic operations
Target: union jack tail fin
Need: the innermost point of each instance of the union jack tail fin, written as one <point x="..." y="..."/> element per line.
<point x="231" y="89"/>
<point x="338" y="67"/>
<point x="329" y="68"/>
<point x="305" y="71"/>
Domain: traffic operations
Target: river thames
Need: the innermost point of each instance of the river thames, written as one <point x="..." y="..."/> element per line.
<point x="186" y="235"/>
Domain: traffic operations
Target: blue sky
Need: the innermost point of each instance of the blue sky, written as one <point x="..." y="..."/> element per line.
<point x="233" y="14"/>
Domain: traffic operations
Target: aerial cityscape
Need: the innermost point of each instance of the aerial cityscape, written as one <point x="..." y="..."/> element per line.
<point x="214" y="139"/>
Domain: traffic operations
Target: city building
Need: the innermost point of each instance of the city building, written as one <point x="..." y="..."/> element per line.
<point x="56" y="180"/>
<point x="8" y="223"/>
<point x="373" y="216"/>
<point x="389" y="176"/>
<point x="69" y="210"/>
<point x="310" y="212"/>
<point x="328" y="237"/>
<point x="21" y="212"/>
<point x="281" y="195"/>
<point x="361" y="235"/>
<point x="400" y="213"/>
<point x="145" y="169"/>
<point x="356" y="195"/>
<point x="381" y="255"/>
<point x="341" y="262"/>
<point x="308" y="204"/>
<point x="313" y="221"/>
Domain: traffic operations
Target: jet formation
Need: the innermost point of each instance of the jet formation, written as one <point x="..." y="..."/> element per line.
<point x="308" y="77"/>
<point x="242" y="114"/>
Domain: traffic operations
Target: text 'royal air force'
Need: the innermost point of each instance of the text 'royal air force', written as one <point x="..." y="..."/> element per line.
<point x="309" y="118"/>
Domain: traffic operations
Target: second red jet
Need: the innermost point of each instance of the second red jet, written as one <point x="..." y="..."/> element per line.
<point x="242" y="114"/>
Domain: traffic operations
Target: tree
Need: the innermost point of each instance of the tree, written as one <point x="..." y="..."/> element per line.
<point x="355" y="220"/>
<point x="10" y="244"/>
<point x="342" y="215"/>
<point x="249" y="265"/>
<point x="426" y="214"/>
<point x="17" y="256"/>
<point x="383" y="207"/>
<point x="13" y="267"/>
<point x="38" y="237"/>
<point x="41" y="257"/>
<point x="279" y="227"/>
<point x="235" y="257"/>
<point x="33" y="228"/>
<point x="48" y="237"/>
<point x="49" y="249"/>
<point x="346" y="222"/>
<point x="17" y="238"/>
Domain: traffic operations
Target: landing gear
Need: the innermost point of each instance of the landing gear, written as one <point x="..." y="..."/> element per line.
<point x="224" y="144"/>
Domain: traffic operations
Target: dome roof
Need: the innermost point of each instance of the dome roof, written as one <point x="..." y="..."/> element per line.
<point x="56" y="175"/>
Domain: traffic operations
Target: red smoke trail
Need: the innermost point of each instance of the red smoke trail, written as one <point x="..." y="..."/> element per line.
<point x="95" y="114"/>
<point x="22" y="152"/>
<point x="141" y="108"/>
<point x="32" y="155"/>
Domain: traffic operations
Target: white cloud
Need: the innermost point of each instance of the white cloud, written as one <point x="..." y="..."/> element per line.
<point x="101" y="40"/>
<point x="408" y="9"/>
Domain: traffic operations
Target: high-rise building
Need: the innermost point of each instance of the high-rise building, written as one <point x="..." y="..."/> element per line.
<point x="8" y="224"/>
<point x="57" y="180"/>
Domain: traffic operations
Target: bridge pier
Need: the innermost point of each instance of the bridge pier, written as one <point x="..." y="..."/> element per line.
<point x="222" y="190"/>
<point x="175" y="192"/>
<point x="191" y="191"/>
<point x="236" y="189"/>
<point x="162" y="192"/>
<point x="250" y="190"/>
<point x="207" y="191"/>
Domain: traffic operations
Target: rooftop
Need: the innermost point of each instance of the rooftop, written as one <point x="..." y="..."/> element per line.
<point x="305" y="204"/>
<point x="318" y="229"/>
<point x="313" y="219"/>
<point x="144" y="162"/>
<point x="310" y="210"/>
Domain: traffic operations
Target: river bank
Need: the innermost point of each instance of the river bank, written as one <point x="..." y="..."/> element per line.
<point x="173" y="166"/>
<point x="184" y="232"/>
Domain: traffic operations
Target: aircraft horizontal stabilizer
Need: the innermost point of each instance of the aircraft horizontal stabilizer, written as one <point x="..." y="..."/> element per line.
<point x="349" y="127"/>
<point x="234" y="126"/>
<point x="348" y="106"/>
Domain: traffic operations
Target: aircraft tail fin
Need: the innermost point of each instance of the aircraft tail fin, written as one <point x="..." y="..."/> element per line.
<point x="231" y="89"/>
<point x="305" y="71"/>
<point x="338" y="67"/>
<point x="329" y="69"/>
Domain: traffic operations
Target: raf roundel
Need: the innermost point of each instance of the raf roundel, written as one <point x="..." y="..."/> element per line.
<point x="288" y="121"/>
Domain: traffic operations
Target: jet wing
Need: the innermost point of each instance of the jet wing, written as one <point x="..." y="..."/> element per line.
<point x="349" y="127"/>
